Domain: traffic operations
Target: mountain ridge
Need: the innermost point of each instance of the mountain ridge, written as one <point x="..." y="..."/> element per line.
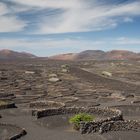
<point x="99" y="55"/>
<point x="10" y="54"/>
<point x="84" y="55"/>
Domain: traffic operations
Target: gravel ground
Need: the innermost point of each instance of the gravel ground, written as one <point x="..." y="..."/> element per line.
<point x="51" y="129"/>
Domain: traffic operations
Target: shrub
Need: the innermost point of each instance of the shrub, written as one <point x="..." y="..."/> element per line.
<point x="81" y="117"/>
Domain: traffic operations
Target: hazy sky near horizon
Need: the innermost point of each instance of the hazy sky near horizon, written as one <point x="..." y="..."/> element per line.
<point x="48" y="27"/>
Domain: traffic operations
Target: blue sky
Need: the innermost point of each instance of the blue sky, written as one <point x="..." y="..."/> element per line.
<point x="49" y="27"/>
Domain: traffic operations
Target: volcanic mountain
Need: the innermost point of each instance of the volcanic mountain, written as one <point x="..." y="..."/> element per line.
<point x="68" y="56"/>
<point x="9" y="54"/>
<point x="99" y="55"/>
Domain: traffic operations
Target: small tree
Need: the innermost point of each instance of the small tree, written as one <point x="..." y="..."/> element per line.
<point x="81" y="117"/>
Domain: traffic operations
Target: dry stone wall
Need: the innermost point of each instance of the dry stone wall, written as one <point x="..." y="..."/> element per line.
<point x="105" y="126"/>
<point x="22" y="132"/>
<point x="106" y="112"/>
<point x="8" y="105"/>
<point x="114" y="119"/>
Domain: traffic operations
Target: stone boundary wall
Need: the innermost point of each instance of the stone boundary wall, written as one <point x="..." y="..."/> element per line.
<point x="4" y="95"/>
<point x="109" y="125"/>
<point x="22" y="132"/>
<point x="46" y="104"/>
<point x="106" y="112"/>
<point x="114" y="119"/>
<point x="8" y="105"/>
<point x="132" y="106"/>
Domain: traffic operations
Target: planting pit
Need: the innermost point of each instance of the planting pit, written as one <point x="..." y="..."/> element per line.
<point x="67" y="99"/>
<point x="86" y="103"/>
<point x="60" y="122"/>
<point x="11" y="132"/>
<point x="102" y="116"/>
<point x="26" y="98"/>
<point x="107" y="99"/>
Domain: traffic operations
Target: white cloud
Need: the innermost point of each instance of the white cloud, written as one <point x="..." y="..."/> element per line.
<point x="127" y="41"/>
<point x="86" y="18"/>
<point x="50" y="3"/>
<point x="9" y="23"/>
<point x="82" y="15"/>
<point x="3" y="9"/>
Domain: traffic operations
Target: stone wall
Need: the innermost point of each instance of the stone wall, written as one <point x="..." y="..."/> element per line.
<point x="113" y="119"/>
<point x="8" y="105"/>
<point x="4" y="95"/>
<point x="22" y="132"/>
<point x="109" y="125"/>
<point x="46" y="104"/>
<point x="106" y="112"/>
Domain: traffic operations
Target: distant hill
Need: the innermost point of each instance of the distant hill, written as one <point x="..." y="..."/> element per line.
<point x="90" y="55"/>
<point x="85" y="55"/>
<point x="99" y="55"/>
<point x="69" y="56"/>
<point x="9" y="54"/>
<point x="122" y="55"/>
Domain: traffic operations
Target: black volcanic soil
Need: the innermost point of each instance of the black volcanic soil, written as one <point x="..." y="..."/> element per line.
<point x="106" y="82"/>
<point x="27" y="81"/>
<point x="55" y="127"/>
